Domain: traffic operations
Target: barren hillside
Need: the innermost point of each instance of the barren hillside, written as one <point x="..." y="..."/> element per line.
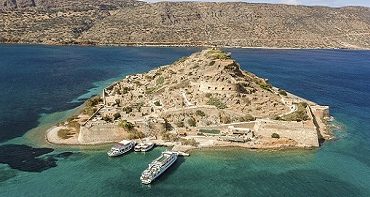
<point x="186" y="23"/>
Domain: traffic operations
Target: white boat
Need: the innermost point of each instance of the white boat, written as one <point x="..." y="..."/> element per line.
<point x="158" y="166"/>
<point x="144" y="146"/>
<point x="120" y="148"/>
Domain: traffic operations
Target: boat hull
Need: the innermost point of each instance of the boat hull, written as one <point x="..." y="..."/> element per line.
<point x="147" y="181"/>
<point x="116" y="153"/>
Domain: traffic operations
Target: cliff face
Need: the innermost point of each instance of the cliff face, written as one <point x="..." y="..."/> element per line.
<point x="223" y="24"/>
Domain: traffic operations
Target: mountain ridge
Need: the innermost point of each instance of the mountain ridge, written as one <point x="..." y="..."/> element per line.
<point x="228" y="24"/>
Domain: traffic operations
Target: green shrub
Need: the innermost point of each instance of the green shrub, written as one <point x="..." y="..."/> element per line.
<point x="225" y="119"/>
<point x="190" y="142"/>
<point x="169" y="137"/>
<point x="247" y="118"/>
<point x="192" y="122"/>
<point x="160" y="81"/>
<point x="200" y="113"/>
<point x="217" y="54"/>
<point x="128" y="126"/>
<point x="275" y="135"/>
<point x="265" y="86"/>
<point x="150" y="90"/>
<point x="135" y="135"/>
<point x="88" y="110"/>
<point x="107" y="119"/>
<point x="127" y="109"/>
<point x="283" y="92"/>
<point x="157" y="103"/>
<point x="93" y="101"/>
<point x="299" y="115"/>
<point x="216" y="102"/>
<point x="116" y="116"/>
<point x="180" y="124"/>
<point x="125" y="90"/>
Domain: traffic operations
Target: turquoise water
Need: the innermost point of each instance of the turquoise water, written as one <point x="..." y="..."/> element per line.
<point x="339" y="168"/>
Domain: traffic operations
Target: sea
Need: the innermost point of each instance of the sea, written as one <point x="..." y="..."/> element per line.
<point x="43" y="85"/>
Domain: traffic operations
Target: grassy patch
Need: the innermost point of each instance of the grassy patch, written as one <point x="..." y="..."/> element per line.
<point x="211" y="131"/>
<point x="299" y="115"/>
<point x="200" y="113"/>
<point x="65" y="133"/>
<point x="247" y="118"/>
<point x="169" y="137"/>
<point x="190" y="142"/>
<point x="217" y="54"/>
<point x="128" y="126"/>
<point x="192" y="122"/>
<point x="135" y="135"/>
<point x="216" y="102"/>
<point x="160" y="81"/>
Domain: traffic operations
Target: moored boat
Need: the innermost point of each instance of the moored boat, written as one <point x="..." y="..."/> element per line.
<point x="158" y="166"/>
<point x="120" y="148"/>
<point x="143" y="147"/>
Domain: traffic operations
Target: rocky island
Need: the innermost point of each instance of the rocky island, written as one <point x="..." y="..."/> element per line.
<point x="203" y="100"/>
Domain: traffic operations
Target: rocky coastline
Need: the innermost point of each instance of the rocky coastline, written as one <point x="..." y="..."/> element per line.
<point x="214" y="104"/>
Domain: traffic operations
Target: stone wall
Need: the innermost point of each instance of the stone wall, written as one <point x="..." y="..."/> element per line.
<point x="211" y="87"/>
<point x="100" y="134"/>
<point x="304" y="133"/>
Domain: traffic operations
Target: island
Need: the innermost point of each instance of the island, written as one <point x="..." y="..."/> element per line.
<point x="204" y="100"/>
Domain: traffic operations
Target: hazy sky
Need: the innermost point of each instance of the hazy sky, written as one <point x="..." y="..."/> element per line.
<point x="332" y="3"/>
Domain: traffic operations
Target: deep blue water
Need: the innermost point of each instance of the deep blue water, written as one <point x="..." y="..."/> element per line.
<point x="37" y="80"/>
<point x="43" y="79"/>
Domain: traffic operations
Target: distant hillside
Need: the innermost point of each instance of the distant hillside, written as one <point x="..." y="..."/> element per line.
<point x="66" y="4"/>
<point x="185" y="23"/>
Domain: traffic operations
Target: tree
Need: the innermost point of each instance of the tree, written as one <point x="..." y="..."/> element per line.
<point x="192" y="122"/>
<point x="200" y="113"/>
<point x="275" y="135"/>
<point x="116" y="116"/>
<point x="128" y="126"/>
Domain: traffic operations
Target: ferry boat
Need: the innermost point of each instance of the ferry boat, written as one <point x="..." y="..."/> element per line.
<point x="120" y="148"/>
<point x="143" y="147"/>
<point x="158" y="166"/>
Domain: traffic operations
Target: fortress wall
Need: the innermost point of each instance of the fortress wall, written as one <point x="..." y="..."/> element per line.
<point x="225" y="127"/>
<point x="206" y="109"/>
<point x="100" y="134"/>
<point x="320" y="111"/>
<point x="304" y="134"/>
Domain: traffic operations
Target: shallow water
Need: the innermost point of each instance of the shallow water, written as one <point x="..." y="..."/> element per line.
<point x="38" y="81"/>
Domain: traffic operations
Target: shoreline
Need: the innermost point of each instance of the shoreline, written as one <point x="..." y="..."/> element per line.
<point x="177" y="146"/>
<point x="178" y="46"/>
